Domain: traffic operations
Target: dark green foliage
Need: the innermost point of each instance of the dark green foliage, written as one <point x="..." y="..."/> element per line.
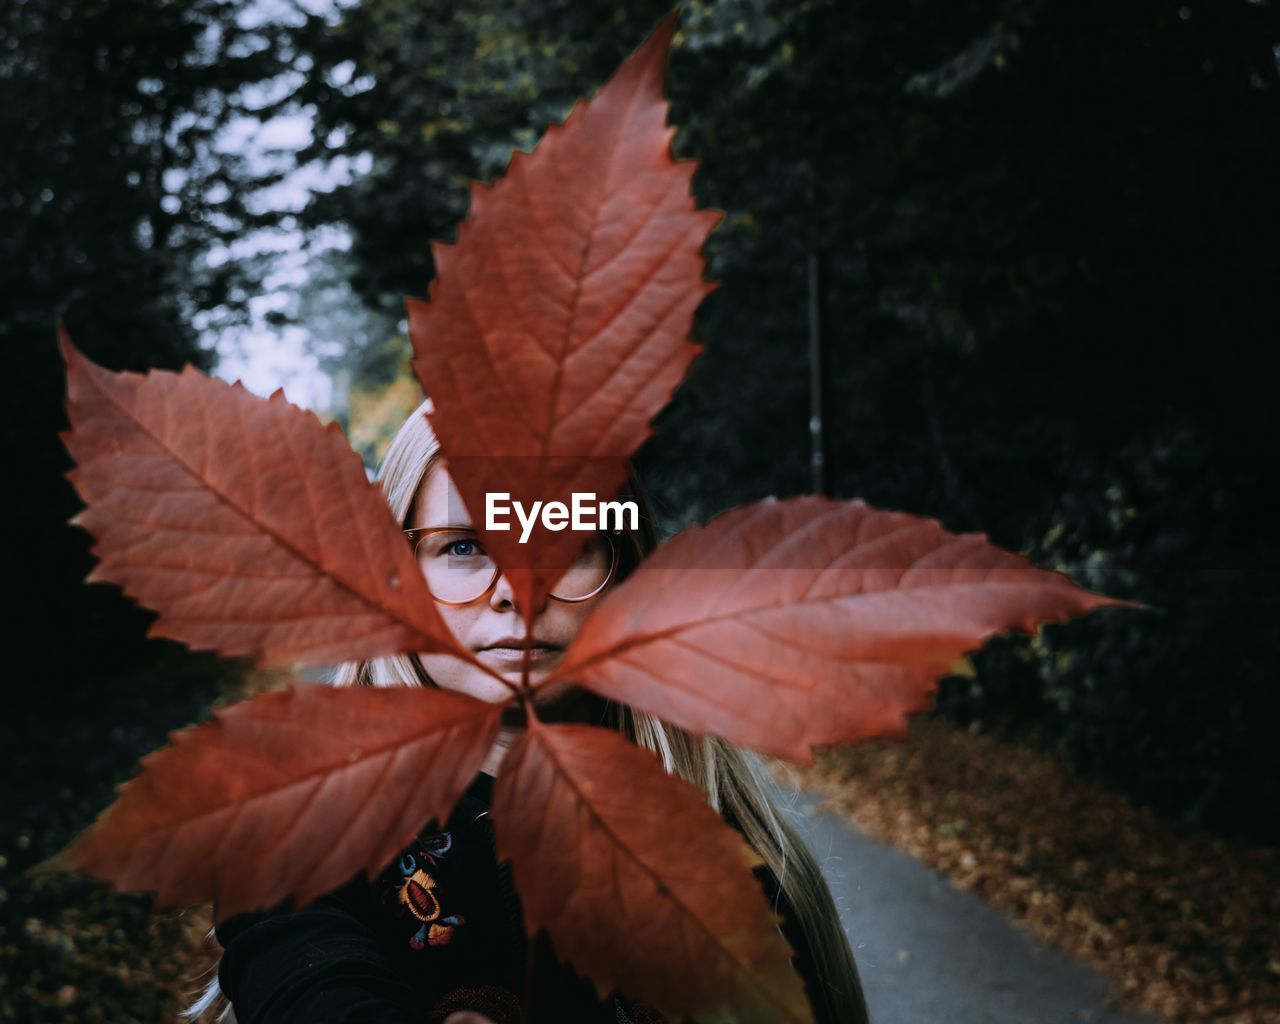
<point x="1046" y="229"/>
<point x="110" y="195"/>
<point x="1047" y="234"/>
<point x="1175" y="704"/>
<point x="438" y="95"/>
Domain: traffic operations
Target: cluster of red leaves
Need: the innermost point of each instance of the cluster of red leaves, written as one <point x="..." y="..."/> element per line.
<point x="556" y="330"/>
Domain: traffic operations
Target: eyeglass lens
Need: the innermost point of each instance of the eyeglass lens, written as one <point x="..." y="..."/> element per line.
<point x="459" y="570"/>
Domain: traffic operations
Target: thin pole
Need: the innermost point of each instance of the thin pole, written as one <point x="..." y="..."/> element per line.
<point x="817" y="359"/>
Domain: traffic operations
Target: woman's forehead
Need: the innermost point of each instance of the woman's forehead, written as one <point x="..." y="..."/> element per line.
<point x="438" y="501"/>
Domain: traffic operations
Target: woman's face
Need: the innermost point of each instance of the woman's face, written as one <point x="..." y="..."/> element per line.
<point x="484" y="626"/>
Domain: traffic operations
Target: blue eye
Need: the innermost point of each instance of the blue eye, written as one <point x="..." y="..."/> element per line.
<point x="462" y="548"/>
<point x="408" y="865"/>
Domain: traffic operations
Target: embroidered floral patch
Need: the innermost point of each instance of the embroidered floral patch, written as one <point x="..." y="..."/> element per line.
<point x="412" y="887"/>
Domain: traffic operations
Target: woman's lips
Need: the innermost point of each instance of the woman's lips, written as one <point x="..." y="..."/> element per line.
<point x="516" y="655"/>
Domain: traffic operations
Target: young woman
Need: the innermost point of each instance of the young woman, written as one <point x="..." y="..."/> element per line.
<point x="439" y="936"/>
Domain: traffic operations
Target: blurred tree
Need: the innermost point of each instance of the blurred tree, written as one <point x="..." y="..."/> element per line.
<point x="349" y="339"/>
<point x="1047" y="235"/>
<point x="378" y="410"/>
<point x="436" y="95"/>
<point x="116" y="208"/>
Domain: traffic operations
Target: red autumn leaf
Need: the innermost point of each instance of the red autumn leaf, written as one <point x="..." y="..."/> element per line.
<point x="790" y="623"/>
<point x="557" y="327"/>
<point x="588" y="821"/>
<point x="250" y="527"/>
<point x="288" y="794"/>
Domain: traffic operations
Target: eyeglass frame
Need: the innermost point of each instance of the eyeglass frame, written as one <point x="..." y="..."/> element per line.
<point x="417" y="533"/>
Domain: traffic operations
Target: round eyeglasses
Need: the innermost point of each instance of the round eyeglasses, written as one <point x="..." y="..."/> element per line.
<point x="460" y="571"/>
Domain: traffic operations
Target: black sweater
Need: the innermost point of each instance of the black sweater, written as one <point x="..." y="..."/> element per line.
<point x="440" y="930"/>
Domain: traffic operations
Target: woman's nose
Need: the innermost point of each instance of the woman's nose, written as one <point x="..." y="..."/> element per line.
<point x="502" y="596"/>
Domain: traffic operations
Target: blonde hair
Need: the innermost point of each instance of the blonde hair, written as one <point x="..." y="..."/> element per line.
<point x="734" y="780"/>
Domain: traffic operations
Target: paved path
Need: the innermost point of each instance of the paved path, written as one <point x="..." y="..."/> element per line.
<point x="931" y="955"/>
